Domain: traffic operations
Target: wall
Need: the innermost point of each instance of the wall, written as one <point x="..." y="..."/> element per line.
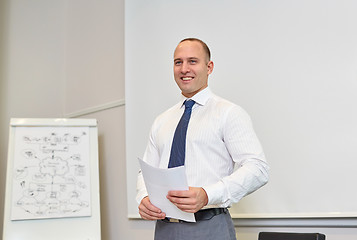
<point x="31" y="66"/>
<point x="3" y="106"/>
<point x="66" y="58"/>
<point x="291" y="65"/>
<point x="95" y="89"/>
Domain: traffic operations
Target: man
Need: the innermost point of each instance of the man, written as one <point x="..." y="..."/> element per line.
<point x="219" y="136"/>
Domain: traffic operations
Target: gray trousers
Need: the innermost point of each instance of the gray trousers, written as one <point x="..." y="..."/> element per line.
<point x="220" y="227"/>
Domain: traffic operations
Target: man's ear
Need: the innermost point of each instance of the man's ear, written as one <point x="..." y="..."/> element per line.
<point x="210" y="66"/>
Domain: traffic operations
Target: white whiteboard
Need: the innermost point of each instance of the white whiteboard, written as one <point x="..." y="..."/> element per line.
<point x="290" y="64"/>
<point x="52" y="180"/>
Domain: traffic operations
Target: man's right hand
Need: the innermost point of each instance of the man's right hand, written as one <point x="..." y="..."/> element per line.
<point x="150" y="212"/>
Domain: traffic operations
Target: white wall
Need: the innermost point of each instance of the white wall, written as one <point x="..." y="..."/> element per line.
<point x="290" y="64"/>
<point x="3" y="106"/>
<point x="31" y="66"/>
<point x="94" y="53"/>
<point x="60" y="58"/>
<point x="95" y="80"/>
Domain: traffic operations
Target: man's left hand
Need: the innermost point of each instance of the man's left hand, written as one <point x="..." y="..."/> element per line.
<point x="190" y="200"/>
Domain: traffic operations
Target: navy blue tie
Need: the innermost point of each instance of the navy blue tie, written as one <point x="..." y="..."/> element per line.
<point x="178" y="148"/>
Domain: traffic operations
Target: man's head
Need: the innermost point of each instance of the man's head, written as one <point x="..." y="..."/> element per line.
<point x="192" y="66"/>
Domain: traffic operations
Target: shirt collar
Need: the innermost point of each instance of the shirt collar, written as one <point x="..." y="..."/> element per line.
<point x="201" y="97"/>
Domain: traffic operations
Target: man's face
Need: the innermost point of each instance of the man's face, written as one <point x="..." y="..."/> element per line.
<point x="191" y="67"/>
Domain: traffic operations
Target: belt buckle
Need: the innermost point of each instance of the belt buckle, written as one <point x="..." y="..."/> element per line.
<point x="174" y="220"/>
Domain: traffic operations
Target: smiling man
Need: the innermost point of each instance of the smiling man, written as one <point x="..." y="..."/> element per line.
<point x="192" y="66"/>
<point x="210" y="136"/>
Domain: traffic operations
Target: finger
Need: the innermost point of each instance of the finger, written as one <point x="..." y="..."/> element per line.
<point x="185" y="204"/>
<point x="147" y="204"/>
<point x="188" y="201"/>
<point x="150" y="207"/>
<point x="151" y="215"/>
<point x="148" y="211"/>
<point x="186" y="193"/>
<point x="187" y="208"/>
<point x="181" y="200"/>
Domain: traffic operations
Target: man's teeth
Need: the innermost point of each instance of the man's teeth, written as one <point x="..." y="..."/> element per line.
<point x="186" y="78"/>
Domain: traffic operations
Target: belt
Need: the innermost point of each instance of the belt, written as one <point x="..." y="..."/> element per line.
<point x="204" y="214"/>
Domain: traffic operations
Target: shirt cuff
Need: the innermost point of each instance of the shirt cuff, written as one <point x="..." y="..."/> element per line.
<point x="140" y="195"/>
<point x="216" y="194"/>
<point x="141" y="191"/>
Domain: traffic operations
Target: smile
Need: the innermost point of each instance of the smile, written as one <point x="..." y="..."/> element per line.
<point x="187" y="78"/>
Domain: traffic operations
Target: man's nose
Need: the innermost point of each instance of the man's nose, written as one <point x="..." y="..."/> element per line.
<point x="185" y="67"/>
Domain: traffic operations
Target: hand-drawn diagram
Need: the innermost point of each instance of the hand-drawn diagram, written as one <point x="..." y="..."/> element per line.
<point x="51" y="173"/>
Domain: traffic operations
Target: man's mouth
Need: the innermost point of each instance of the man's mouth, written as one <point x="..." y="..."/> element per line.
<point x="187" y="78"/>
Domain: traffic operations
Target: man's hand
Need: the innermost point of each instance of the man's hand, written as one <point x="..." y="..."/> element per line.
<point x="148" y="211"/>
<point x="190" y="200"/>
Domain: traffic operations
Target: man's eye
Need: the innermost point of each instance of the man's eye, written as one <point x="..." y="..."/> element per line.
<point x="178" y="62"/>
<point x="193" y="61"/>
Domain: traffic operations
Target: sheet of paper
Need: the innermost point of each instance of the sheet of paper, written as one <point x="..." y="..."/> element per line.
<point x="159" y="181"/>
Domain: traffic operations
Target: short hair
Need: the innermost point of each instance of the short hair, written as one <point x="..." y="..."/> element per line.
<point x="203" y="44"/>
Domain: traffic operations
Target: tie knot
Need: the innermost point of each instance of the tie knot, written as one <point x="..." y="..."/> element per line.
<point x="189" y="104"/>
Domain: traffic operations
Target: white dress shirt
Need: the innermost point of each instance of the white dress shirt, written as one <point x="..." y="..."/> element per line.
<point x="219" y="135"/>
